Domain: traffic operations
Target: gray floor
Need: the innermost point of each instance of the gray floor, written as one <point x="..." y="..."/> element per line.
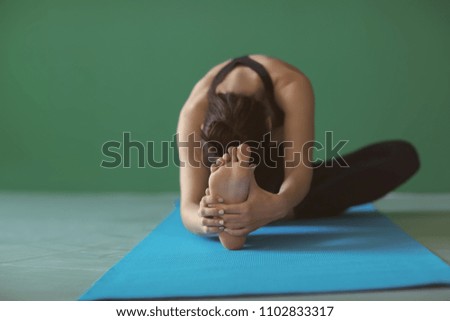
<point x="54" y="246"/>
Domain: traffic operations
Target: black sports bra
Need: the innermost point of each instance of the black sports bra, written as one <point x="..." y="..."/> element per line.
<point x="278" y="115"/>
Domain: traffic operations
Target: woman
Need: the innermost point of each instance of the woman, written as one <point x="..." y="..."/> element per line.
<point x="245" y="145"/>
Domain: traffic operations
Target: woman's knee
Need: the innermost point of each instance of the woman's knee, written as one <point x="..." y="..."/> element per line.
<point x="404" y="156"/>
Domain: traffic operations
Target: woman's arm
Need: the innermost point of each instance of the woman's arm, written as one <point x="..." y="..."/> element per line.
<point x="195" y="213"/>
<point x="296" y="98"/>
<point x="193" y="175"/>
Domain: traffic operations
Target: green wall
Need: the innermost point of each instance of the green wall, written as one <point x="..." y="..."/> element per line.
<point x="75" y="74"/>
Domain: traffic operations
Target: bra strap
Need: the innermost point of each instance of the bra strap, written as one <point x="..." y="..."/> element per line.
<point x="245" y="61"/>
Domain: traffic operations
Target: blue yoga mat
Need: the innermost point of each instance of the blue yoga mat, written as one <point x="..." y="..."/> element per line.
<point x="360" y="250"/>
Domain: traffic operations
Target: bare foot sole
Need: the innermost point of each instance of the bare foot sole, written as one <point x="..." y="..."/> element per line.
<point x="230" y="179"/>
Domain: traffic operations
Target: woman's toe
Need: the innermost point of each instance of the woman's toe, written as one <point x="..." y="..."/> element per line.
<point x="226" y="157"/>
<point x="234" y="154"/>
<point x="243" y="154"/>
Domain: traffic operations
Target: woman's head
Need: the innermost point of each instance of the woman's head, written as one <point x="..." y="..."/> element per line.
<point x="232" y="119"/>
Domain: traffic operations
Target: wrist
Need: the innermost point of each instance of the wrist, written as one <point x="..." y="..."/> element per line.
<point x="282" y="206"/>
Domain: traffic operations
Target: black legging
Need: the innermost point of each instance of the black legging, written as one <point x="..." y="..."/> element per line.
<point x="373" y="171"/>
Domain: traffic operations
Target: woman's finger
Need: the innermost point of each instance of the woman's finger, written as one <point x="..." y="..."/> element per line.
<point x="210" y="211"/>
<point x="234" y="225"/>
<point x="237" y="232"/>
<point x="212" y="222"/>
<point x="239" y="208"/>
<point x="207" y="191"/>
<point x="232" y="218"/>
<point x="211" y="230"/>
<point x="209" y="200"/>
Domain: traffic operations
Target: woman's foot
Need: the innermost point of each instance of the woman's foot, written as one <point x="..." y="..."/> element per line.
<point x="230" y="179"/>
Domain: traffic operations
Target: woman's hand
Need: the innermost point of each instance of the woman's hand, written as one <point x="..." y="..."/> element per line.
<point x="210" y="214"/>
<point x="260" y="208"/>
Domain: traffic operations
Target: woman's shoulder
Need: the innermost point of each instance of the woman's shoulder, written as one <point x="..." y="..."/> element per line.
<point x="271" y="62"/>
<point x="281" y="72"/>
<point x="291" y="85"/>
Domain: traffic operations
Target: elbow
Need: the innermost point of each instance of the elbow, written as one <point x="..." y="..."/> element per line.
<point x="307" y="186"/>
<point x="189" y="220"/>
<point x="306" y="180"/>
<point x="185" y="219"/>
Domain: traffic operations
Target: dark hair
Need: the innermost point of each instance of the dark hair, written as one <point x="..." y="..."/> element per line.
<point x="233" y="119"/>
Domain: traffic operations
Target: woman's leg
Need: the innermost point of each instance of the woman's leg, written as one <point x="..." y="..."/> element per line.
<point x="373" y="171"/>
